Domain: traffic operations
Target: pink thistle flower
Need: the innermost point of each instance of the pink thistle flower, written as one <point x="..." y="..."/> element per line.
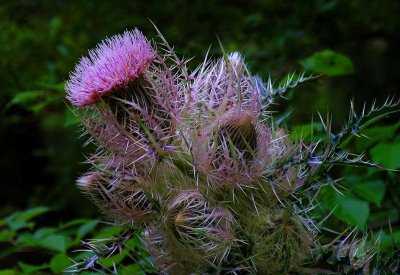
<point x="113" y="64"/>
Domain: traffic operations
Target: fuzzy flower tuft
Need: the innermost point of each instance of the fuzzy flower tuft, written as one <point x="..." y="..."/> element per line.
<point x="119" y="199"/>
<point x="113" y="64"/>
<point x="232" y="151"/>
<point x="195" y="224"/>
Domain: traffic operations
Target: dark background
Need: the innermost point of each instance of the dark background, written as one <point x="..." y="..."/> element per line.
<point x="41" y="41"/>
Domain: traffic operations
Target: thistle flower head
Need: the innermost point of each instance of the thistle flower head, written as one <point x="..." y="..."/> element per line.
<point x="233" y="150"/>
<point x="195" y="225"/>
<point x="122" y="201"/>
<point x="88" y="181"/>
<point x="223" y="85"/>
<point x="281" y="241"/>
<point x="114" y="63"/>
<point x="129" y="205"/>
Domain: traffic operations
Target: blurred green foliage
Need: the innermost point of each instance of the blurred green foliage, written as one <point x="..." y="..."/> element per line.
<point x="44" y="246"/>
<point x="36" y="249"/>
<point x="353" y="44"/>
<point x="329" y="63"/>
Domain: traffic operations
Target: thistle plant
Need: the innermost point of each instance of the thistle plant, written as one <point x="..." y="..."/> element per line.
<point x="195" y="160"/>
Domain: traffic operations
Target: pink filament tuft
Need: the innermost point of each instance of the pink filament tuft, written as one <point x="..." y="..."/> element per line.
<point x="113" y="64"/>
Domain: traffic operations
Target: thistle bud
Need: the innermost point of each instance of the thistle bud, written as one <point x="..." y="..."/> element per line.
<point x="233" y="150"/>
<point x="192" y="224"/>
<point x="222" y="86"/>
<point x="122" y="201"/>
<point x="282" y="242"/>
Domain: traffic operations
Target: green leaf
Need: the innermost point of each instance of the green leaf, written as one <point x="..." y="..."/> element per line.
<point x="9" y="272"/>
<point x="108" y="232"/>
<point x="6" y="235"/>
<point x="43" y="232"/>
<point x="35" y="100"/>
<point x="26" y="97"/>
<point x="387" y="155"/>
<point x="55" y="242"/>
<point x="372" y="191"/>
<point x="307" y="131"/>
<point x="384" y="215"/>
<point x="86" y="228"/>
<point x="29" y="269"/>
<point x="388" y="240"/>
<point x="59" y="263"/>
<point x="113" y="260"/>
<point x="31" y="213"/>
<point x="20" y="220"/>
<point x="132" y="269"/>
<point x="25" y="239"/>
<point x="345" y="207"/>
<point x="375" y="134"/>
<point x="16" y="225"/>
<point x="328" y="62"/>
<point x="72" y="223"/>
<point x="47" y="84"/>
<point x="70" y="118"/>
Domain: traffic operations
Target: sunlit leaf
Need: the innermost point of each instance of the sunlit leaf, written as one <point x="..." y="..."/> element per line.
<point x="108" y="231"/>
<point x="387" y="155"/>
<point x="35" y="101"/>
<point x="374" y="135"/>
<point x="70" y="118"/>
<point x="31" y="213"/>
<point x="328" y="62"/>
<point x="43" y="232"/>
<point x="346" y="207"/>
<point x="72" y="223"/>
<point x="20" y="220"/>
<point x="307" y="131"/>
<point x="9" y="272"/>
<point x="84" y="229"/>
<point x="59" y="263"/>
<point x="132" y="269"/>
<point x="29" y="269"/>
<point x="6" y="235"/>
<point x="387" y="240"/>
<point x="25" y="239"/>
<point x="57" y="243"/>
<point x="372" y="191"/>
